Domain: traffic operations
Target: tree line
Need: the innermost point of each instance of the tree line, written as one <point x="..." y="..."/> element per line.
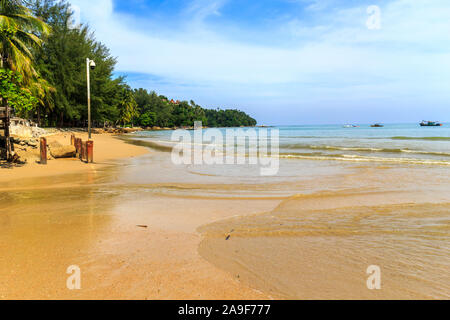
<point x="43" y="76"/>
<point x="157" y="110"/>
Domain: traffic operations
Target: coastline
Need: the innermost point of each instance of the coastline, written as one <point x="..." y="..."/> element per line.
<point x="143" y="228"/>
<point x="58" y="215"/>
<point x="107" y="149"/>
<point x="227" y="151"/>
<point x="319" y="242"/>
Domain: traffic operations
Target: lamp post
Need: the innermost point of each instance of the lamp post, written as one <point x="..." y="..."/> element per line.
<point x="90" y="64"/>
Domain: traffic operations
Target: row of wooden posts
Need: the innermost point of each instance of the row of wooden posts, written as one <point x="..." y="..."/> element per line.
<point x="84" y="149"/>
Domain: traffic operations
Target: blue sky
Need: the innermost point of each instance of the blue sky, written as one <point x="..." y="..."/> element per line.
<point x="285" y="61"/>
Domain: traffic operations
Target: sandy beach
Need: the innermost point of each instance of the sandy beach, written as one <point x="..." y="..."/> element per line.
<point x="56" y="216"/>
<point x="140" y="227"/>
<point x="107" y="149"/>
<point x="224" y="150"/>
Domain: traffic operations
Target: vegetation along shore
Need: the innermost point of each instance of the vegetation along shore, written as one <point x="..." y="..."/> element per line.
<point x="43" y="76"/>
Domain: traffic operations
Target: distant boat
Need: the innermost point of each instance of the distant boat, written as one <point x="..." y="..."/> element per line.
<point x="377" y="125"/>
<point x="350" y="126"/>
<point x="430" y="124"/>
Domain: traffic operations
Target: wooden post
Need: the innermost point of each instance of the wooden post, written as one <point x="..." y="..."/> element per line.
<point x="90" y="151"/>
<point x="4" y="113"/>
<point x="78" y="147"/>
<point x="83" y="151"/>
<point x="43" y="151"/>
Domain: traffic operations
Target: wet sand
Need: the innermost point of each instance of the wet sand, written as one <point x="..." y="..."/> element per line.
<point x="319" y="244"/>
<point x="142" y="228"/>
<point x="128" y="244"/>
<point x="298" y="253"/>
<point x="118" y="259"/>
<point x="107" y="148"/>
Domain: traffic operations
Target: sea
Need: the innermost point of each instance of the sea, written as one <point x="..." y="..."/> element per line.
<point x="351" y="200"/>
<point x="393" y="143"/>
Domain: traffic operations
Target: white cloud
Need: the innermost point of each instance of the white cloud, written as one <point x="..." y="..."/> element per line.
<point x="201" y="9"/>
<point x="335" y="53"/>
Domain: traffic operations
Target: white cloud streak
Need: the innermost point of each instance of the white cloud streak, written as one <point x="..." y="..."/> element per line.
<point x="335" y="55"/>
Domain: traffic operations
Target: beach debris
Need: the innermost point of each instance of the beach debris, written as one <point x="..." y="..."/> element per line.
<point x="59" y="151"/>
<point x="142" y="226"/>
<point x="43" y="152"/>
<point x="32" y="143"/>
<point x="229" y="235"/>
<point x="120" y="130"/>
<point x="25" y="142"/>
<point x="25" y="128"/>
<point x="15" y="158"/>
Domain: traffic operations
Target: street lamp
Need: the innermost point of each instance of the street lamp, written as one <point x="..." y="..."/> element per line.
<point x="90" y="64"/>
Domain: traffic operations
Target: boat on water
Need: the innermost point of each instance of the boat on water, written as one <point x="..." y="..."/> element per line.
<point x="377" y="125"/>
<point x="430" y="124"/>
<point x="350" y="126"/>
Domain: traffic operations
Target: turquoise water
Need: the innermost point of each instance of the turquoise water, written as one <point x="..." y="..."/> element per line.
<point x="394" y="143"/>
<point x="406" y="143"/>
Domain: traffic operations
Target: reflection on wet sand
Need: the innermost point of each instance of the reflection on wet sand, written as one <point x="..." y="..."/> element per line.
<point x="296" y="252"/>
<point x="43" y="232"/>
<point x="310" y="232"/>
<point x="91" y="220"/>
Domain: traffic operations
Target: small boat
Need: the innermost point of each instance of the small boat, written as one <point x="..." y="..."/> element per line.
<point x="350" y="126"/>
<point x="430" y="124"/>
<point x="377" y="125"/>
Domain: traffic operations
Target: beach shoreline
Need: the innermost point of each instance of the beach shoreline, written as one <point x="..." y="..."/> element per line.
<point x="56" y="216"/>
<point x="140" y="227"/>
<point x="108" y="148"/>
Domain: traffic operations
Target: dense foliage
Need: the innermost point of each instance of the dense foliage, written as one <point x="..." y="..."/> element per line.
<point x="18" y="98"/>
<point x="20" y="32"/>
<point x="58" y="81"/>
<point x="158" y="111"/>
<point x="62" y="62"/>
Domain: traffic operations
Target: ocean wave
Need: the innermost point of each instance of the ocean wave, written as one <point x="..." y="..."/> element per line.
<point x="422" y="138"/>
<point x="320" y="137"/>
<point x="366" y="149"/>
<point x="359" y="158"/>
<point x="317" y="150"/>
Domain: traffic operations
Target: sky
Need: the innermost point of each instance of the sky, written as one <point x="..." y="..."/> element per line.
<point x="285" y="62"/>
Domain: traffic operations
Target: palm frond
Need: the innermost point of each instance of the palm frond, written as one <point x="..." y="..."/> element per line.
<point x="20" y="30"/>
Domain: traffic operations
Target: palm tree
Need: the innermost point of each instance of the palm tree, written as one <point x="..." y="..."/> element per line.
<point x="43" y="92"/>
<point x="127" y="106"/>
<point x="20" y="31"/>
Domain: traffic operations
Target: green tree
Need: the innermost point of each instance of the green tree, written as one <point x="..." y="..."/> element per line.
<point x="20" y="31"/>
<point x="147" y="119"/>
<point x="53" y="68"/>
<point x="163" y="113"/>
<point x="62" y="62"/>
<point x="18" y="98"/>
<point x="127" y="106"/>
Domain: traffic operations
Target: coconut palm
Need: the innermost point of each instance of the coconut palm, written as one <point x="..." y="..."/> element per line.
<point x="127" y="106"/>
<point x="20" y="31"/>
<point x="43" y="92"/>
